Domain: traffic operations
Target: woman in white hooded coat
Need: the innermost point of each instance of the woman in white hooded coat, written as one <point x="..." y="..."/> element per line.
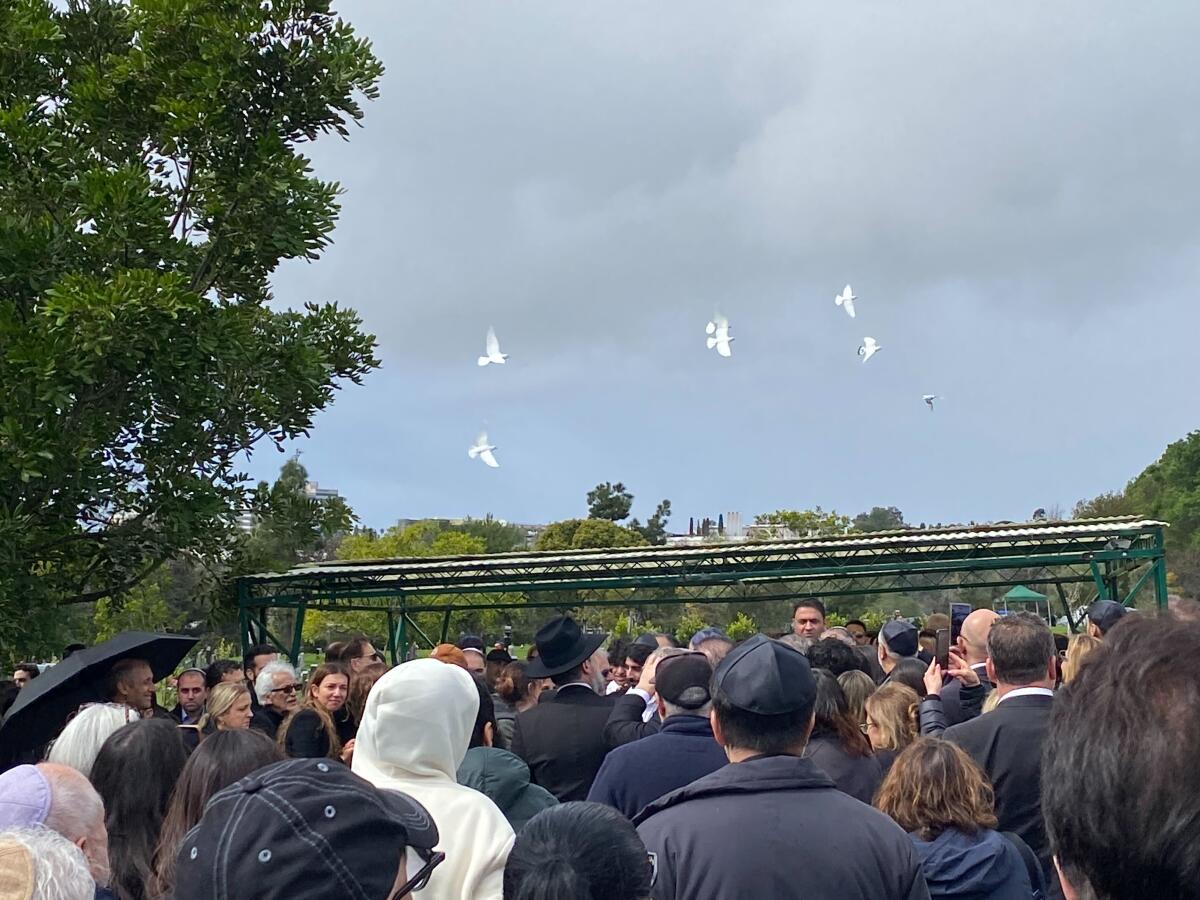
<point x="414" y="734"/>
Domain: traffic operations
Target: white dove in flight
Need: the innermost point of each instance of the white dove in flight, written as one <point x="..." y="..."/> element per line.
<point x="493" y="350"/>
<point x="868" y="349"/>
<point x="929" y="398"/>
<point x="718" y="335"/>
<point x="846" y="301"/>
<point x="483" y="450"/>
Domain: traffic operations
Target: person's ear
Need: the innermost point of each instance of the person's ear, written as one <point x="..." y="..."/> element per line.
<point x="991" y="671"/>
<point x="489" y="735"/>
<point x="1069" y="892"/>
<point x="662" y="707"/>
<point x="718" y="733"/>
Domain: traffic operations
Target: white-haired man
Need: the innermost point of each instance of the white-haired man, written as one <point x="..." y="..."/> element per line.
<point x="276" y="686"/>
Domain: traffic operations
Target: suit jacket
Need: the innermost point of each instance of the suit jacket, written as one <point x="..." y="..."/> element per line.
<point x="952" y="707"/>
<point x="625" y="723"/>
<point x="1007" y="745"/>
<point x="562" y="741"/>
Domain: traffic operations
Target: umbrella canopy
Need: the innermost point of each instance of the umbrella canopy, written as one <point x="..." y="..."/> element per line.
<point x="42" y="708"/>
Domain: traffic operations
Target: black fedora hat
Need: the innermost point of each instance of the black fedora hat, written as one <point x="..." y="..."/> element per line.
<point x="561" y="647"/>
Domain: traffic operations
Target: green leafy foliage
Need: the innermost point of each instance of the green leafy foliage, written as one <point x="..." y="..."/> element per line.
<point x="741" y="627"/>
<point x="803" y="523"/>
<point x="609" y="501"/>
<point x="880" y="518"/>
<point x="582" y="534"/>
<point x="144" y="608"/>
<point x="150" y="183"/>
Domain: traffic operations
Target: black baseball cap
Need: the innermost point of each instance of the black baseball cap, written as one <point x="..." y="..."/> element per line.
<point x="684" y="680"/>
<point x="766" y="677"/>
<point x="470" y="642"/>
<point x="1104" y="614"/>
<point x="900" y="635"/>
<point x="302" y="829"/>
<point x="500" y="656"/>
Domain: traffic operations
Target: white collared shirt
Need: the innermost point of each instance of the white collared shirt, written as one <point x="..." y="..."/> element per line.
<point x="1027" y="692"/>
<point x="651" y="706"/>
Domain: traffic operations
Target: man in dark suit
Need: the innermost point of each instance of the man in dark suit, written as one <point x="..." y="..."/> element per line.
<point x="1007" y="742"/>
<point x="972" y="647"/>
<point x="192" y="695"/>
<point x="562" y="739"/>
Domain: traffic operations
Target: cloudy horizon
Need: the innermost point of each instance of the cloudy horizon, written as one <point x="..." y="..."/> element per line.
<point x="1009" y="189"/>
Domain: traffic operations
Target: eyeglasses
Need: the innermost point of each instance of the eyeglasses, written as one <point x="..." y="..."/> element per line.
<point x="421" y="879"/>
<point x="287" y="689"/>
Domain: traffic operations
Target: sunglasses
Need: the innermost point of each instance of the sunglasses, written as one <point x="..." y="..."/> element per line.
<point x="421" y="879"/>
<point x="286" y="689"/>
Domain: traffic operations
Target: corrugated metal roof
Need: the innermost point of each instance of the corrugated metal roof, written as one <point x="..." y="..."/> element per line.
<point x="1029" y="534"/>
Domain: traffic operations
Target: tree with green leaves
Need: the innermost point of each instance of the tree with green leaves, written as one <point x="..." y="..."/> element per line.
<point x="151" y="181"/>
<point x="609" y="501"/>
<point x="655" y="529"/>
<point x="583" y="534"/>
<point x="802" y="523"/>
<point x="880" y="518"/>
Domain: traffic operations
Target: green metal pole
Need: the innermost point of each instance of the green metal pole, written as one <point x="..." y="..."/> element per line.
<point x="298" y="633"/>
<point x="243" y="594"/>
<point x="402" y="634"/>
<point x="445" y="626"/>
<point x="1160" y="572"/>
<point x="391" y="645"/>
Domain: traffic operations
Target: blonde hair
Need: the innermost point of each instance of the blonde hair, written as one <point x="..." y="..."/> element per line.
<point x="934" y="785"/>
<point x="1078" y="648"/>
<point x="894" y="710"/>
<point x="991" y="700"/>
<point x="220" y="701"/>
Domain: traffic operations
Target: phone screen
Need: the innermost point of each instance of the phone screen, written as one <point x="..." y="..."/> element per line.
<point x="958" y="613"/>
<point x="942" y="651"/>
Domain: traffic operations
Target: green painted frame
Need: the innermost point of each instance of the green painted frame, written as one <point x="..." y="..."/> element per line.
<point x="1100" y="552"/>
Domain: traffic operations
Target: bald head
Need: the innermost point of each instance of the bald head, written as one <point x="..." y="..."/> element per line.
<point x="973" y="637"/>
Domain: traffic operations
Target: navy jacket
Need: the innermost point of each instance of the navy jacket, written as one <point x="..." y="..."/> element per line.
<point x="1007" y="745"/>
<point x="634" y="775"/>
<point x="748" y="829"/>
<point x="980" y="866"/>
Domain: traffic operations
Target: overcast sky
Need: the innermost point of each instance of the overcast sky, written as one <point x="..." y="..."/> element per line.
<point x="1011" y="188"/>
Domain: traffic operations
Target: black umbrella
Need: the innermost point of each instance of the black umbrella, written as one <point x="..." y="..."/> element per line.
<point x="42" y="708"/>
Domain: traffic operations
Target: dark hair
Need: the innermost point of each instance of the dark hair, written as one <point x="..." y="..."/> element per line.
<point x="670" y="638"/>
<point x="218" y="762"/>
<point x="334" y="650"/>
<point x="513" y="684"/>
<point x="29" y="669"/>
<point x="120" y="672"/>
<point x="257" y="650"/>
<point x="809" y="603"/>
<point x="910" y="671"/>
<point x="832" y="715"/>
<point x="585" y="851"/>
<point x="8" y="696"/>
<point x="485" y="716"/>
<point x="354" y="647"/>
<point x="135" y="773"/>
<point x="639" y="653"/>
<point x="1120" y="787"/>
<point x="1020" y="646"/>
<point x="361" y="683"/>
<point x="764" y="734"/>
<point x="216" y="671"/>
<point x="319" y="674"/>
<point x="568" y="677"/>
<point x="835" y="656"/>
<point x="72" y="648"/>
<point x="934" y="785"/>
<point x="616" y="653"/>
<point x="859" y="622"/>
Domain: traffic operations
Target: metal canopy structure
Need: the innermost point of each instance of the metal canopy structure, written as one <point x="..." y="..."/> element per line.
<point x="1117" y="556"/>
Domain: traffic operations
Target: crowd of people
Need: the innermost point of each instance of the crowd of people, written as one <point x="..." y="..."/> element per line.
<point x="827" y="763"/>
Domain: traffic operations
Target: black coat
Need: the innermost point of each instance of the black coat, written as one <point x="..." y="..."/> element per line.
<point x="306" y="737"/>
<point x="267" y="720"/>
<point x="639" y="773"/>
<point x="1007" y="745"/>
<point x="746" y="830"/>
<point x="625" y="723"/>
<point x="562" y="740"/>
<point x="933" y="714"/>
<point x="858" y="776"/>
<point x="952" y="706"/>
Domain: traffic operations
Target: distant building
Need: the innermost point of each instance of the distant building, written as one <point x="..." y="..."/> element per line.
<point x="726" y="528"/>
<point x="245" y="520"/>
<point x="313" y="491"/>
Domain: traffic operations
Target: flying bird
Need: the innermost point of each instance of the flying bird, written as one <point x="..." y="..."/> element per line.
<point x="929" y="398"/>
<point x="846" y="301"/>
<point x="483" y="450"/>
<point x="718" y="335"/>
<point x="493" y="351"/>
<point x="868" y="349"/>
